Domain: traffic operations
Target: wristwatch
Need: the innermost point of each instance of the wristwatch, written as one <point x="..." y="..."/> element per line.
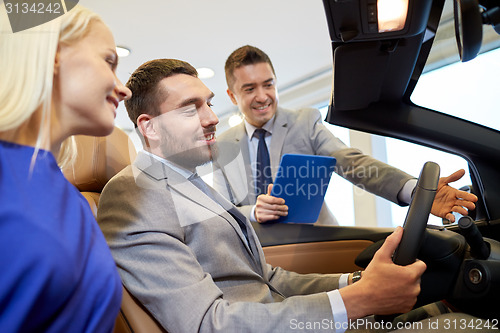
<point x="356" y="276"/>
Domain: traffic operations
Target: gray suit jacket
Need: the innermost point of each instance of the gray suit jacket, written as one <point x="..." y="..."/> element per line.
<point x="299" y="132"/>
<point x="185" y="258"/>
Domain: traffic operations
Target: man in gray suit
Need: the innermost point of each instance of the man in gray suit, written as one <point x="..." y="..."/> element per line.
<point x="191" y="258"/>
<point x="251" y="84"/>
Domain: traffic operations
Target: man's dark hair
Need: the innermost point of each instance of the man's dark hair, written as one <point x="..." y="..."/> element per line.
<point x="146" y="93"/>
<point x="243" y="56"/>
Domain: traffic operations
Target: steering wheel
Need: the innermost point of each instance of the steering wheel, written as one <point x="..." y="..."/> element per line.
<point x="417" y="216"/>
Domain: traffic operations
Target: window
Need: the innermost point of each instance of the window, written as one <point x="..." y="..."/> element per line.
<point x="466" y="90"/>
<point x="339" y="196"/>
<point x="410" y="158"/>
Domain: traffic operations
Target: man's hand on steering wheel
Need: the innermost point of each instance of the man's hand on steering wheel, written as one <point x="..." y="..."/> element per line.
<point x="385" y="288"/>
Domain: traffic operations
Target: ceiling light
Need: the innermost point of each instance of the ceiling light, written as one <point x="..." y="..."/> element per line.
<point x="391" y="14"/>
<point x="234" y="120"/>
<point x="122" y="51"/>
<point x="205" y="73"/>
<point x="355" y="21"/>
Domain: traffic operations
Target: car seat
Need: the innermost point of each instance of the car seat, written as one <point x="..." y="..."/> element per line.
<point x="98" y="160"/>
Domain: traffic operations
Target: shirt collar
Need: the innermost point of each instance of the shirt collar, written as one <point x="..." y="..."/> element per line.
<point x="184" y="172"/>
<point x="267" y="126"/>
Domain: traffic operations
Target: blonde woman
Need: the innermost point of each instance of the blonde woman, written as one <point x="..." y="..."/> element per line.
<point x="57" y="80"/>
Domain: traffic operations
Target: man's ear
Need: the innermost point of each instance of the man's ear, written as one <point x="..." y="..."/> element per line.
<point x="232" y="96"/>
<point x="146" y="126"/>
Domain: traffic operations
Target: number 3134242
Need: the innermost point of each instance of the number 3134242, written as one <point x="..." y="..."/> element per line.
<point x="470" y="324"/>
<point x="33" y="8"/>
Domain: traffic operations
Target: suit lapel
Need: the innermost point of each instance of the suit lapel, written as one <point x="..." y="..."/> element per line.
<point x="252" y="240"/>
<point x="161" y="172"/>
<point x="184" y="191"/>
<point x="241" y="164"/>
<point x="280" y="130"/>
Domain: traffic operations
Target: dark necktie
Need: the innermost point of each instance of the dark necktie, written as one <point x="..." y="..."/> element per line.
<point x="202" y="186"/>
<point x="263" y="170"/>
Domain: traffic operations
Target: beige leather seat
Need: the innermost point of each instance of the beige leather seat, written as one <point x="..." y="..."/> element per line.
<point x="98" y="160"/>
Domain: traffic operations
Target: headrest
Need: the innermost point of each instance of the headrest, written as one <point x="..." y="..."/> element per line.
<point x="99" y="159"/>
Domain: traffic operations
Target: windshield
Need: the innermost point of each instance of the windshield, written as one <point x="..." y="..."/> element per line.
<point x="466" y="90"/>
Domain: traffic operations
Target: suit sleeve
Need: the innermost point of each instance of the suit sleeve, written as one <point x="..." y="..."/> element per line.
<point x="159" y="268"/>
<point x="362" y="170"/>
<point x="293" y="284"/>
<point x="221" y="185"/>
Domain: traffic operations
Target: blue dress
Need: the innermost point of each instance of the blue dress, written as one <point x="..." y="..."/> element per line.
<point x="56" y="270"/>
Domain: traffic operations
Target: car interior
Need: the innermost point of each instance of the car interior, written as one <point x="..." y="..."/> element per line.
<point x="387" y="62"/>
<point x="375" y="71"/>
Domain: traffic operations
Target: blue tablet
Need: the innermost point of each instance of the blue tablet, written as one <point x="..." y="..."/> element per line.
<point x="302" y="180"/>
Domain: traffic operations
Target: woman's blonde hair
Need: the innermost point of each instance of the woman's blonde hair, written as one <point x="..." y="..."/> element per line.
<point x="27" y="61"/>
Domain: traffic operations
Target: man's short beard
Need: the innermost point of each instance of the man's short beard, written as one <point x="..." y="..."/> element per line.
<point x="192" y="158"/>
